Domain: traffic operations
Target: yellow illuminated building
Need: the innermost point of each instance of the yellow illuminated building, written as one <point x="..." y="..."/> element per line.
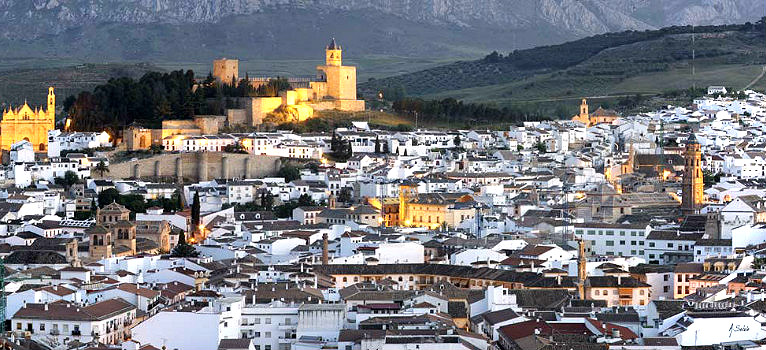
<point x="24" y="123"/>
<point x="599" y="116"/>
<point x="333" y="87"/>
<point x="433" y="210"/>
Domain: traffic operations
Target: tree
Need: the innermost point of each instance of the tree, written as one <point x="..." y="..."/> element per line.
<point x="344" y="195"/>
<point x="541" y="147"/>
<point x="377" y="145"/>
<point x="176" y="200"/>
<point x="709" y="178"/>
<point x="107" y="196"/>
<point x="70" y="178"/>
<point x="101" y="168"/>
<point x="195" y="208"/>
<point x="234" y="148"/>
<point x="183" y="249"/>
<point x="456" y="141"/>
<point x="156" y="149"/>
<point x="267" y="201"/>
<point x="305" y="201"/>
<point x="289" y="172"/>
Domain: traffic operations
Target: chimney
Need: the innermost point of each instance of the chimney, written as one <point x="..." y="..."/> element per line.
<point x="325" y="253"/>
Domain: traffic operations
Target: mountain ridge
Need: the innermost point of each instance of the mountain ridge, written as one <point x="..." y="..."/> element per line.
<point x="511" y="23"/>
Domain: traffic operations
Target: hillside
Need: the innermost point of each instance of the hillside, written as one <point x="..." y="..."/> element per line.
<point x="598" y="65"/>
<point x="32" y="84"/>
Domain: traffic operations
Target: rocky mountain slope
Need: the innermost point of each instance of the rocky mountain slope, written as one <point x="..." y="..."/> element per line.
<point x="401" y="27"/>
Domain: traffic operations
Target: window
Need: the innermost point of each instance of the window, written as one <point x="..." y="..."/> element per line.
<point x="267" y="335"/>
<point x="665" y="277"/>
<point x="267" y="321"/>
<point x="42" y="326"/>
<point x="598" y="292"/>
<point x="622" y="242"/>
<point x="665" y="289"/>
<point x="606" y="292"/>
<point x="641" y="292"/>
<point x="610" y="243"/>
<point x="670" y="245"/>
<point x="651" y="244"/>
<point x="680" y="278"/>
<point x="687" y="289"/>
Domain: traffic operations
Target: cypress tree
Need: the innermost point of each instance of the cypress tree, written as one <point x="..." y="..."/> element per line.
<point x="195" y="212"/>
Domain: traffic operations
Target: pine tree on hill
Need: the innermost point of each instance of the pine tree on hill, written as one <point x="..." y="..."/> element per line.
<point x="183" y="249"/>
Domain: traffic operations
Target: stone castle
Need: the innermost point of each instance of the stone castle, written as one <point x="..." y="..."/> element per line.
<point x="333" y="87"/>
<point x="24" y="123"/>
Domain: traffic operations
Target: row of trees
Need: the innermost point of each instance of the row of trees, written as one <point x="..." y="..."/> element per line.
<point x="136" y="202"/>
<point x="341" y="148"/>
<point x="571" y="53"/>
<point x="158" y="96"/>
<point x="452" y="109"/>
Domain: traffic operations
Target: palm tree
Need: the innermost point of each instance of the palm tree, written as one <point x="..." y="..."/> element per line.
<point x="102" y="168"/>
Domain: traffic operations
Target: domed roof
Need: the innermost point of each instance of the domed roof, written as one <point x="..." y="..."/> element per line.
<point x="333" y="45"/>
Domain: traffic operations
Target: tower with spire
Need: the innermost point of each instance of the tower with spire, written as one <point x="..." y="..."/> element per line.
<point x="333" y="54"/>
<point x="692" y="195"/>
<point x="335" y="82"/>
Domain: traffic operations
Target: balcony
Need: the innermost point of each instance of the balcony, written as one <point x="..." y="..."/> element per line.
<point x="284" y="325"/>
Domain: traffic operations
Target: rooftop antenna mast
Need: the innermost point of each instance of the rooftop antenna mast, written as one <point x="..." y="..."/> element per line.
<point x="694" y="81"/>
<point x="2" y="296"/>
<point x="565" y="211"/>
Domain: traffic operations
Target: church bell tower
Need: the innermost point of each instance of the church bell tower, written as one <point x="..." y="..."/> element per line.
<point x="692" y="187"/>
<point x="333" y="54"/>
<point x="51" y="111"/>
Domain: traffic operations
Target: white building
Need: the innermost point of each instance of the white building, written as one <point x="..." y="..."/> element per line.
<point x="106" y="322"/>
<point x="75" y="141"/>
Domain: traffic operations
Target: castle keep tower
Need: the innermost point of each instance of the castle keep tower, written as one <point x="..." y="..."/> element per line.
<point x="693" y="185"/>
<point x="333" y="54"/>
<point x="224" y="70"/>
<point x="24" y="123"/>
<point x="336" y="83"/>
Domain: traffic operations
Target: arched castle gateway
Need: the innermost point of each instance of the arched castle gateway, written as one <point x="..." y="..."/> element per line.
<point x="24" y="123"/>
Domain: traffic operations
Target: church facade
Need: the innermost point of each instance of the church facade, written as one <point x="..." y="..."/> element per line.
<point x="598" y="116"/>
<point x="25" y="123"/>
